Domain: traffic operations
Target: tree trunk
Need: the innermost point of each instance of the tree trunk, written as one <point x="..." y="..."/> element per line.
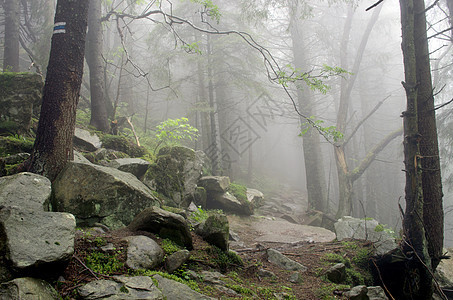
<point x="93" y="56"/>
<point x="11" y="49"/>
<point x="53" y="144"/>
<point x="417" y="281"/>
<point x="429" y="150"/>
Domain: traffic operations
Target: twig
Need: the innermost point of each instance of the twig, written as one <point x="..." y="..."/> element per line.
<point x="85" y="266"/>
<point x="374" y="5"/>
<point x="380" y="277"/>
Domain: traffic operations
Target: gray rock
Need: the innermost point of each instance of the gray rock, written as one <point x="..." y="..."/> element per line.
<point x="79" y="158"/>
<point x="175" y="175"/>
<point x="212" y="277"/>
<point x="266" y="273"/>
<point x="217" y="184"/>
<point x="164" y="223"/>
<point x="255" y="197"/>
<point x="106" y="155"/>
<point x="229" y="203"/>
<point x="121" y="287"/>
<point x="86" y="141"/>
<point x="284" y="262"/>
<point x="93" y="193"/>
<point x="215" y="230"/>
<point x="35" y="240"/>
<point x="143" y="253"/>
<point x="27" y="288"/>
<point x="296" y="278"/>
<point x="135" y="166"/>
<point x="444" y="271"/>
<point x="20" y="99"/>
<point x="176" y="260"/>
<point x="16" y="158"/>
<point x="25" y="190"/>
<point x="336" y="273"/>
<point x="365" y="229"/>
<point x="376" y="293"/>
<point x="177" y="291"/>
<point x="357" y="293"/>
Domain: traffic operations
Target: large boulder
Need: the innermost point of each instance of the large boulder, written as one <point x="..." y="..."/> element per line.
<point x="255" y="197"/>
<point x="365" y="229"/>
<point x="215" y="230"/>
<point x="444" y="271"/>
<point x="135" y="166"/>
<point x="175" y="174"/>
<point x="121" y="287"/>
<point x="175" y="290"/>
<point x="143" y="253"/>
<point x="164" y="223"/>
<point x="25" y="190"/>
<point x="27" y="288"/>
<point x="20" y="97"/>
<point x="100" y="194"/>
<point x="85" y="140"/>
<point x="36" y="242"/>
<point x="229" y="203"/>
<point x="213" y="184"/>
<point x="176" y="260"/>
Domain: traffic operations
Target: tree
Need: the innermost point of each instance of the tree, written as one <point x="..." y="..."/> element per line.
<point x="53" y="144"/>
<point x="11" y="51"/>
<point x="93" y="56"/>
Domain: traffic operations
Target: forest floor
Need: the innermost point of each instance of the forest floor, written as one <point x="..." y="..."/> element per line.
<point x="312" y="247"/>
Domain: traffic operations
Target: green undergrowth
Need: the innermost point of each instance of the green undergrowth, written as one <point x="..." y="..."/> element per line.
<point x="238" y="190"/>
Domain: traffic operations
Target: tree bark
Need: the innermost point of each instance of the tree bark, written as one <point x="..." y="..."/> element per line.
<point x="11" y="49"/>
<point x="94" y="60"/>
<point x="53" y="144"/>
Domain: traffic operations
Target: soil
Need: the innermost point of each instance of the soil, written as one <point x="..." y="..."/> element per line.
<point x="307" y="245"/>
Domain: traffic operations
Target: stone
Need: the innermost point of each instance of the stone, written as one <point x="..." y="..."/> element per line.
<point x="365" y="229"/>
<point x="229" y="203"/>
<point x="255" y="197"/>
<point x="336" y="273"/>
<point x="143" y="253"/>
<point x="16" y="158"/>
<point x="135" y="166"/>
<point x="212" y="277"/>
<point x="79" y="158"/>
<point x="217" y="184"/>
<point x="85" y="140"/>
<point x="25" y="190"/>
<point x="175" y="175"/>
<point x="266" y="273"/>
<point x="95" y="194"/>
<point x="175" y="290"/>
<point x="296" y="278"/>
<point x="215" y="230"/>
<point x="376" y="293"/>
<point x="27" y="288"/>
<point x="444" y="271"/>
<point x="357" y="293"/>
<point x="35" y="241"/>
<point x="176" y="260"/>
<point x="20" y="99"/>
<point x="284" y="262"/>
<point x="164" y="223"/>
<point x="121" y="287"/>
<point x="105" y="155"/>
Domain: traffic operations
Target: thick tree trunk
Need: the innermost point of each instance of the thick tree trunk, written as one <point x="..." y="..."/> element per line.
<point x="93" y="56"/>
<point x="11" y="50"/>
<point x="53" y="144"/>
<point x="417" y="283"/>
<point x="429" y="150"/>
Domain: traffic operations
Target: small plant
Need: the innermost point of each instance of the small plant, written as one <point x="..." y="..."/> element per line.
<point x="326" y="292"/>
<point x="200" y="215"/>
<point x="190" y="283"/>
<point x="240" y="289"/>
<point x="225" y="260"/>
<point x="238" y="190"/>
<point x="336" y="258"/>
<point x="104" y="263"/>
<point x="361" y="258"/>
<point x="100" y="241"/>
<point x="169" y="246"/>
<point x="175" y="131"/>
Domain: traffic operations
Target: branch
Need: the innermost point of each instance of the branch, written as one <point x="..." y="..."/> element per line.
<point x="374" y="5"/>
<point x="366" y="162"/>
<point x="366" y="118"/>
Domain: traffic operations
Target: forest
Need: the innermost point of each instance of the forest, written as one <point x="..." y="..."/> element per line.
<point x="341" y="108"/>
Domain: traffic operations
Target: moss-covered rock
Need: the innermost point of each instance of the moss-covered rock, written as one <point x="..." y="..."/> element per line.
<point x="20" y="98"/>
<point x="215" y="230"/>
<point x="10" y="145"/>
<point x="121" y="143"/>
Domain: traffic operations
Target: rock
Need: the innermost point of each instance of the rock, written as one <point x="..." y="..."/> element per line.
<point x="16" y="158"/>
<point x="336" y="273"/>
<point x="376" y="293"/>
<point x="122" y="144"/>
<point x="229" y="203"/>
<point x="35" y="241"/>
<point x="233" y="236"/>
<point x="357" y="293"/>
<point x="369" y="229"/>
<point x="100" y="194"/>
<point x="175" y="290"/>
<point x="79" y="158"/>
<point x="165" y="224"/>
<point x="143" y="253"/>
<point x="27" y="288"/>
<point x="255" y="197"/>
<point x="175" y="175"/>
<point x="176" y="260"/>
<point x="284" y="262"/>
<point x="314" y="218"/>
<point x="20" y="98"/>
<point x="25" y="190"/>
<point x="290" y="219"/>
<point x="85" y="140"/>
<point x="121" y="287"/>
<point x="106" y="155"/>
<point x="135" y="166"/>
<point x="212" y="277"/>
<point x="266" y="273"/>
<point x="217" y="184"/>
<point x="444" y="271"/>
<point x="215" y="230"/>
<point x="296" y="278"/>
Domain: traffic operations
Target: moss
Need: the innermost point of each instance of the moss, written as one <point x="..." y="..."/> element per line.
<point x="239" y="191"/>
<point x="224" y="260"/>
<point x="121" y="143"/>
<point x="190" y="283"/>
<point x="8" y="80"/>
<point x="169" y="246"/>
<point x="104" y="263"/>
<point x="15" y="144"/>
